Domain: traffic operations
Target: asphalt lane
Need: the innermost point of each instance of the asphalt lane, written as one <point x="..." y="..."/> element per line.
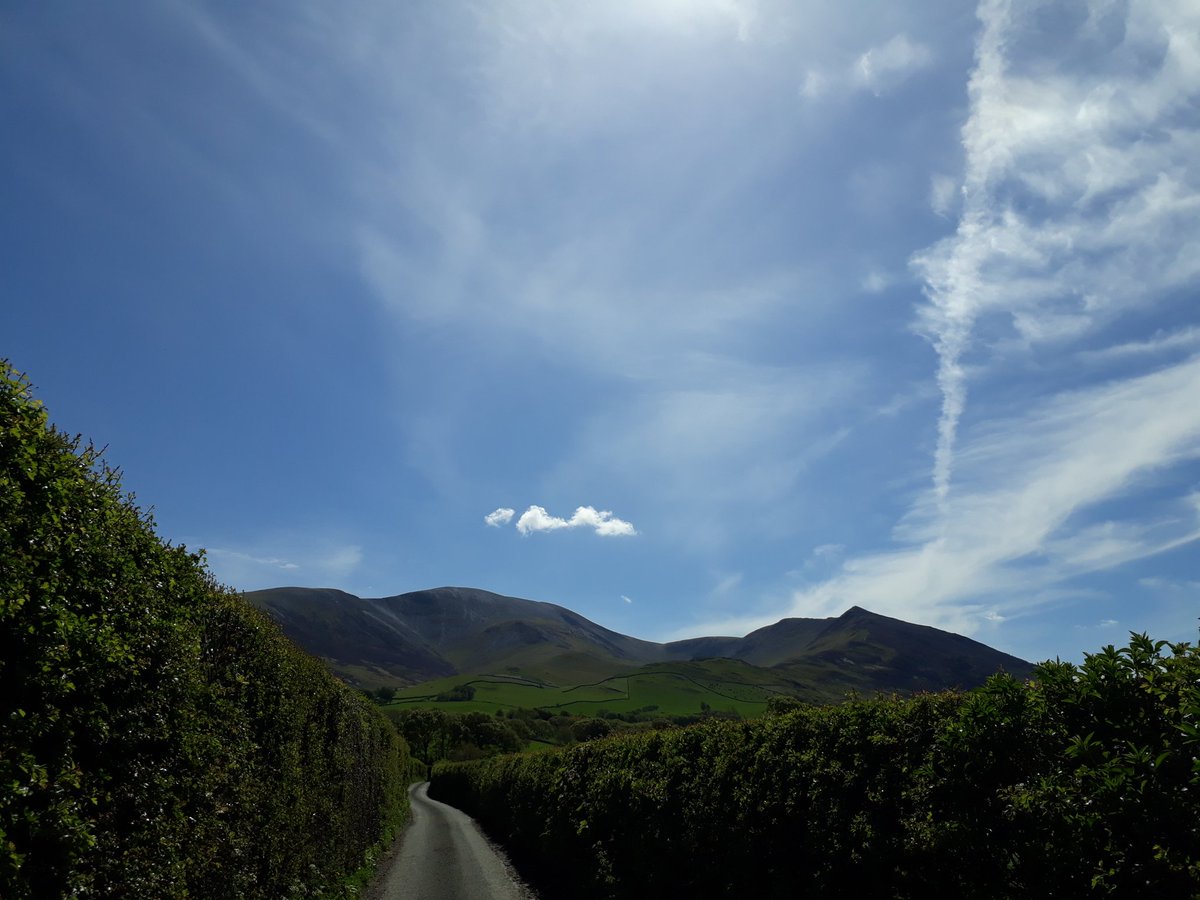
<point x="444" y="856"/>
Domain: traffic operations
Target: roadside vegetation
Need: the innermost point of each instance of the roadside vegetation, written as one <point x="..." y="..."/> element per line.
<point x="158" y="737"/>
<point x="1081" y="782"/>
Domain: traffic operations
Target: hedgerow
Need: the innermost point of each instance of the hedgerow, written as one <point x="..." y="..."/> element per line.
<point x="1082" y="782"/>
<point x="158" y="737"/>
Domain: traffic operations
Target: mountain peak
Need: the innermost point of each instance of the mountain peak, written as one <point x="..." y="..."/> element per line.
<point x="433" y="633"/>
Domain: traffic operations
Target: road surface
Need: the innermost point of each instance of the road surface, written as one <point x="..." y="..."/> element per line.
<point x="444" y="856"/>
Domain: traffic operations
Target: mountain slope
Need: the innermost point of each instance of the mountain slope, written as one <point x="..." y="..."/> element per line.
<point x="424" y="635"/>
<point x="902" y="656"/>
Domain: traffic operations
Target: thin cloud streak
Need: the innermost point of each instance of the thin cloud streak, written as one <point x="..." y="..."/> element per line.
<point x="323" y="563"/>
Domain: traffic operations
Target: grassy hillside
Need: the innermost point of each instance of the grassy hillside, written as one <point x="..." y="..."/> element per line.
<point x="671" y="689"/>
<point x="160" y="738"/>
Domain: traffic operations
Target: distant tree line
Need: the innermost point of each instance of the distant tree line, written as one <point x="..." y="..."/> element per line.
<point x="436" y="734"/>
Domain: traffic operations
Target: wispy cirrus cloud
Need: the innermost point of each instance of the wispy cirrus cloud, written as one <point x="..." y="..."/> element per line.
<point x="1080" y="207"/>
<point x="879" y="69"/>
<point x="1070" y="216"/>
<point x="1184" y="339"/>
<point x="269" y="562"/>
<point x="1017" y="526"/>
<point x="322" y="562"/>
<point x="882" y="67"/>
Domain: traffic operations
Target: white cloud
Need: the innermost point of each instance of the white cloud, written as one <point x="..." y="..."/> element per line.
<point x="537" y="519"/>
<point x="878" y="70"/>
<point x="1015" y="523"/>
<point x="501" y="516"/>
<point x="626" y="599"/>
<point x="1181" y="586"/>
<point x="602" y="522"/>
<point x="1070" y="217"/>
<point x="886" y="65"/>
<point x="325" y="564"/>
<point x="1017" y="526"/>
<point x="270" y="562"/>
<point x="746" y="433"/>
<point x="1183" y="339"/>
<point x="1102" y="624"/>
<point x="727" y="585"/>
<point x="943" y="194"/>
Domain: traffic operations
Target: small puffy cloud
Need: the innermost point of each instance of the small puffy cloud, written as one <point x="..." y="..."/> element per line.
<point x="602" y="522"/>
<point x="537" y="519"/>
<point x="626" y="599"/>
<point x="501" y="516"/>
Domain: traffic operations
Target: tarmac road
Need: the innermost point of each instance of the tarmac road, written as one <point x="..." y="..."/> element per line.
<point x="444" y="856"/>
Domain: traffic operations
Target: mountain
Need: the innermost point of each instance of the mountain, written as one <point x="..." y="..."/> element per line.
<point x="425" y="635"/>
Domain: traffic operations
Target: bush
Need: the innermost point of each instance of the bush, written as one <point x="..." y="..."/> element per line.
<point x="1083" y="782"/>
<point x="160" y="738"/>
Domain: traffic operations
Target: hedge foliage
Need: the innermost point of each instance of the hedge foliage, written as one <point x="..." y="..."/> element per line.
<point x="1080" y="783"/>
<point x="159" y="737"/>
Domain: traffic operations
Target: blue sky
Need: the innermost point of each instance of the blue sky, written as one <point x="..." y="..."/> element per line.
<point x="721" y="310"/>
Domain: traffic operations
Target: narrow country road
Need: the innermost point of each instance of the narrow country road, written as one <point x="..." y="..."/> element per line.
<point x="444" y="856"/>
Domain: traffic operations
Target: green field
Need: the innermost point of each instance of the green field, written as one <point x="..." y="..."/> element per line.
<point x="671" y="689"/>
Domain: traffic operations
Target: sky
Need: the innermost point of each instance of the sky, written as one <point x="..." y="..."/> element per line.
<point x="688" y="315"/>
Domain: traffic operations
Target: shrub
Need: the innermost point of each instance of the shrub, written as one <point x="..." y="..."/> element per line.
<point x="1082" y="782"/>
<point x="160" y="738"/>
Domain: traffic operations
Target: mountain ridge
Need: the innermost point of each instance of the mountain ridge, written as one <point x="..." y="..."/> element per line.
<point x="423" y="635"/>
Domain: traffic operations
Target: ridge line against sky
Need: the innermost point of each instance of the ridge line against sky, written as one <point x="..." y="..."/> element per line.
<point x="892" y="307"/>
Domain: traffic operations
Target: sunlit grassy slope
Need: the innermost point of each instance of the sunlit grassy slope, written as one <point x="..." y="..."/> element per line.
<point x="669" y="688"/>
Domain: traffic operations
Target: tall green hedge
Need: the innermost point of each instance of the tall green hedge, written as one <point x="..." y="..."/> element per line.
<point x="1083" y="782"/>
<point x="158" y="737"/>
